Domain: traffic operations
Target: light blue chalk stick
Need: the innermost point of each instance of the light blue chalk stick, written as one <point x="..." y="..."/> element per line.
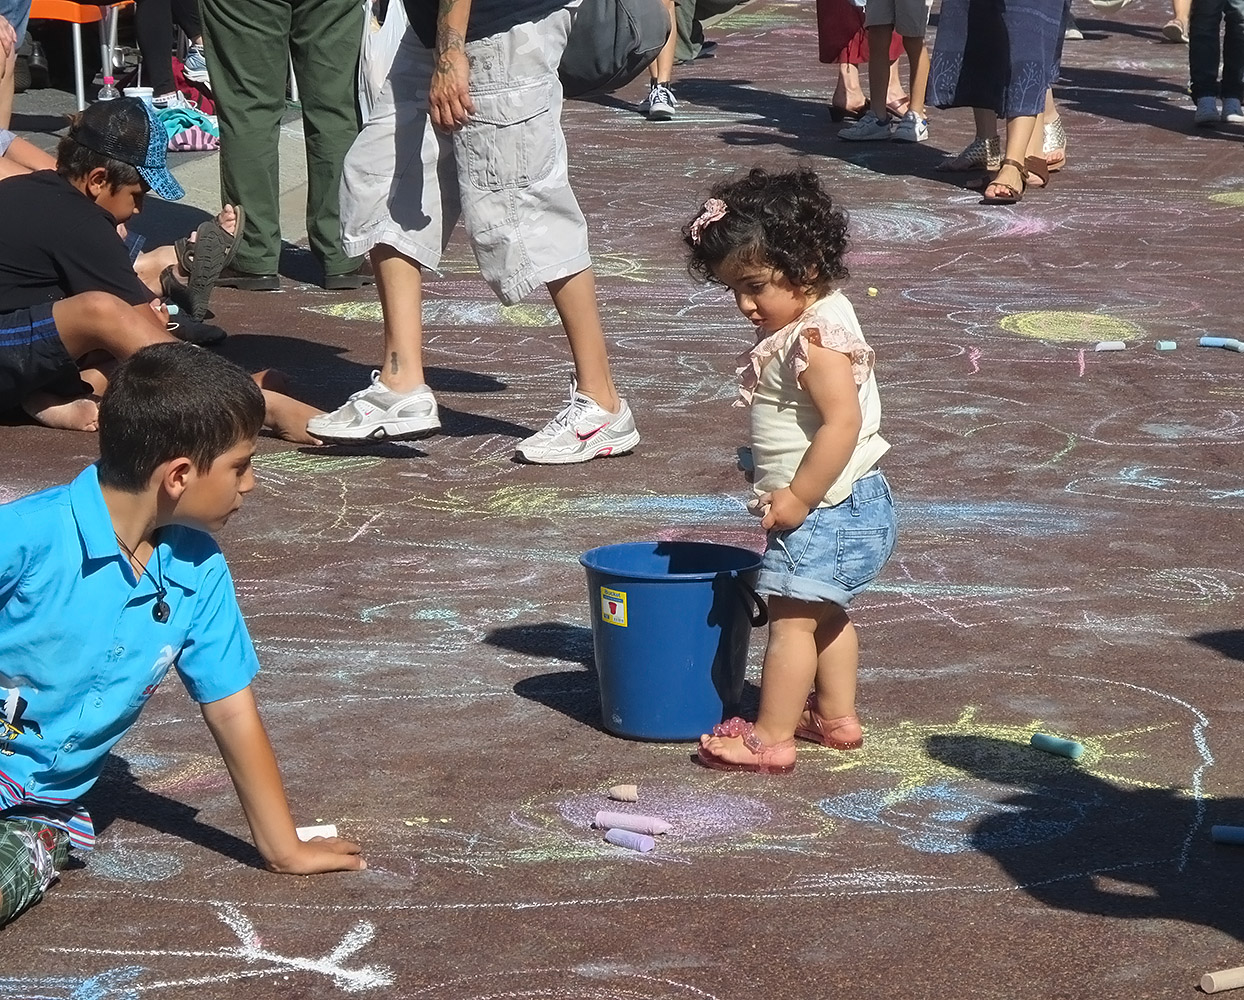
<point x="635" y="841"/>
<point x="1230" y="343"/>
<point x="1052" y="744"/>
<point x="1164" y="345"/>
<point x="1227" y="834"/>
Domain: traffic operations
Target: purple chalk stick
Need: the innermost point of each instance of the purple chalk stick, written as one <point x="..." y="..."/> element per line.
<point x="628" y="838"/>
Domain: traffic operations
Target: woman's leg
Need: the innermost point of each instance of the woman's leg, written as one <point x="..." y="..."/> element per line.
<point x="153" y="29"/>
<point x="1019" y="133"/>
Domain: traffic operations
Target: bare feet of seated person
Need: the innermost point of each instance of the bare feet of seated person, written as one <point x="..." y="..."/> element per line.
<point x="80" y="414"/>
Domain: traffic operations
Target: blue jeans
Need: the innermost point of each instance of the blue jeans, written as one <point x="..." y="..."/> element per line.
<point x="17" y="13"/>
<point x="1203" y="48"/>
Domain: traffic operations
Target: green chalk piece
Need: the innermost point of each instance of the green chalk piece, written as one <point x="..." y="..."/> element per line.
<point x="1227" y="834"/>
<point x="1165" y="345"/>
<point x="1052" y="744"/>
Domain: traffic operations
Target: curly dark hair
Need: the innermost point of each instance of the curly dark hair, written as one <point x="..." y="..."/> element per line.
<point x="785" y="221"/>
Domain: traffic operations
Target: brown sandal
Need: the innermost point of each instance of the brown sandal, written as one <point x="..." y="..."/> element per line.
<point x="1036" y="166"/>
<point x="822" y="729"/>
<point x="1012" y="195"/>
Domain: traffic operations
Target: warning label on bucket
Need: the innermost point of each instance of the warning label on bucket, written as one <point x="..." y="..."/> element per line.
<point x="613" y="606"/>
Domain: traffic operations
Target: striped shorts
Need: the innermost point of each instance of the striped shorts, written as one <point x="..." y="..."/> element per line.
<point x="31" y="854"/>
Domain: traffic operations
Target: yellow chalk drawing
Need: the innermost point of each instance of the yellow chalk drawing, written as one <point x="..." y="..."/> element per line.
<point x="298" y="462"/>
<point x="1233" y="198"/>
<point x="450" y="312"/>
<point x="1071" y="326"/>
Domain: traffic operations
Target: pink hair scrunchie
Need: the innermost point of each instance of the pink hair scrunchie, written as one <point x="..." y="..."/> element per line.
<point x="714" y="210"/>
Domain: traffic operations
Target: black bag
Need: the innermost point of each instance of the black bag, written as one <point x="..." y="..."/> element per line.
<point x="611" y="42"/>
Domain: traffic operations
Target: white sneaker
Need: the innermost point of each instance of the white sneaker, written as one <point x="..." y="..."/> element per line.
<point x="1206" y="111"/>
<point x="377" y="413"/>
<point x="662" y="105"/>
<point x="582" y="431"/>
<point x="195" y="66"/>
<point x="911" y="129"/>
<point x="1232" y="111"/>
<point x="868" y="129"/>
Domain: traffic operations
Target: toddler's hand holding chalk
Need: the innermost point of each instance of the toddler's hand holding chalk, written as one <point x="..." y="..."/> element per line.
<point x="317" y="856"/>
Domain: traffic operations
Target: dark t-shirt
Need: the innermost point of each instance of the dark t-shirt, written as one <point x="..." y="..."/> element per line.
<point x="55" y="242"/>
<point x="488" y="17"/>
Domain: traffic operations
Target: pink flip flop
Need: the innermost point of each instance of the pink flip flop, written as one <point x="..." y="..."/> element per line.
<point x="765" y="762"/>
<point x="822" y="729"/>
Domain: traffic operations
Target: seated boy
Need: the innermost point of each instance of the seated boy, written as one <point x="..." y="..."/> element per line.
<point x="109" y="581"/>
<point x="67" y="288"/>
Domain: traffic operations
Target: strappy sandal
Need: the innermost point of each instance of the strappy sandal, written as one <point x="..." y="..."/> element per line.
<point x="1035" y="166"/>
<point x="1013" y="195"/>
<point x="979" y="154"/>
<point x="205" y="257"/>
<point x="1054" y="145"/>
<point x="770" y="759"/>
<point x="837" y="113"/>
<point x="822" y="729"/>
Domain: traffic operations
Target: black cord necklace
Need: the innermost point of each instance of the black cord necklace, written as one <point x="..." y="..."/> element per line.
<point x="159" y="610"/>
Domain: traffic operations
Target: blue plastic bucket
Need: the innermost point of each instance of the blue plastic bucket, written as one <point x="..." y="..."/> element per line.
<point x="670" y="624"/>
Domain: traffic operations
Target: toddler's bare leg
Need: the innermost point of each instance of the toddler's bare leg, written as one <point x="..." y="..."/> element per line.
<point x="837" y="664"/>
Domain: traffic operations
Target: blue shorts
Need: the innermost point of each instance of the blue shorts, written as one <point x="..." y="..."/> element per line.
<point x="32" y="357"/>
<point x="837" y="551"/>
<point x="17" y="13"/>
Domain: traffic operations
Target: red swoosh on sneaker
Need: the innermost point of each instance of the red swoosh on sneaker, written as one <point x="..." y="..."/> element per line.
<point x="590" y="434"/>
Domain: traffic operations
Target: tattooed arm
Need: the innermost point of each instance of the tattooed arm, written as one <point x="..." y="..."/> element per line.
<point x="449" y="102"/>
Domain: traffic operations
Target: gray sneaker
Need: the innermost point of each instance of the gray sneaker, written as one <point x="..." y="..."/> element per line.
<point x="377" y="413"/>
<point x="195" y="66"/>
<point x="662" y="104"/>
<point x="867" y="129"/>
<point x="910" y="128"/>
<point x="582" y="431"/>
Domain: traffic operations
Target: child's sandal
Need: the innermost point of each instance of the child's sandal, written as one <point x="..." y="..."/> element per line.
<point x="769" y="759"/>
<point x="823" y="730"/>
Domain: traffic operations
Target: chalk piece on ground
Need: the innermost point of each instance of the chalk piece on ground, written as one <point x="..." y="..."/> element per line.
<point x="1211" y="341"/>
<point x="1228" y="979"/>
<point x="1052" y="744"/>
<point x="1227" y="834"/>
<point x="624" y="793"/>
<point x="631" y="821"/>
<point x="628" y="838"/>
<point x="872" y="293"/>
<point x="1164" y="345"/>
<point x="1110" y="345"/>
<point x="307" y="832"/>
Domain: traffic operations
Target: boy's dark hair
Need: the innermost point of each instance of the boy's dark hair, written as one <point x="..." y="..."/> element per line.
<point x="74" y="160"/>
<point x="169" y="401"/>
<point x="785" y="221"/>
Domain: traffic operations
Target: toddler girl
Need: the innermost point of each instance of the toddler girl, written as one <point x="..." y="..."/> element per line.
<point x="777" y="242"/>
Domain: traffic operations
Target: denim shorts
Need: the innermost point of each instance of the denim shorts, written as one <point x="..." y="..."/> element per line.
<point x="17" y="13"/>
<point x="837" y="551"/>
<point x="404" y="184"/>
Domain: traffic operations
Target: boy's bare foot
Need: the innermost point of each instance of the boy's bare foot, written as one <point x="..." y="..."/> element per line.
<point x="287" y="417"/>
<point x="81" y="414"/>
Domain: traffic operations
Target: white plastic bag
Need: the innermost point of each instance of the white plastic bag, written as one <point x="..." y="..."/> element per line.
<point x="380" y="42"/>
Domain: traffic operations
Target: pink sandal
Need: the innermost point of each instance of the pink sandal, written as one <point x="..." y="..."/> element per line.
<point x="765" y="762"/>
<point x="822" y="730"/>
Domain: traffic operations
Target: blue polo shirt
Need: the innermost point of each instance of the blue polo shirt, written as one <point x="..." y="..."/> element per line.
<point x="80" y="652"/>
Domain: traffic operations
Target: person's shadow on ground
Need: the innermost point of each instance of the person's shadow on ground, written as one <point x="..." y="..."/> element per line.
<point x="1128" y="853"/>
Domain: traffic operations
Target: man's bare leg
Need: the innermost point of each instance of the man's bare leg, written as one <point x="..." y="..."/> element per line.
<point x="399" y="284"/>
<point x="575" y="300"/>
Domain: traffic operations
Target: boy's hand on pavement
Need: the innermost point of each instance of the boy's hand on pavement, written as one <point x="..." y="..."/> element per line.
<point x="319" y="855"/>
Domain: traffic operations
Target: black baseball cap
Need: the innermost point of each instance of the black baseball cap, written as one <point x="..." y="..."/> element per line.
<point x="127" y="130"/>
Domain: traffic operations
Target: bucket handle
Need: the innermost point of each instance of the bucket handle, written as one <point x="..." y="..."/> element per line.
<point x="749" y="597"/>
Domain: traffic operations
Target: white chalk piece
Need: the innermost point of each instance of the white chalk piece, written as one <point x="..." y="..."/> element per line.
<point x="1110" y="345"/>
<point x="628" y="838"/>
<point x="1228" y="979"/>
<point x="1164" y="345"/>
<point x="624" y="793"/>
<point x="1052" y="744"/>
<point x="1227" y="834"/>
<point x="872" y="293"/>
<point x="307" y="832"/>
<point x="631" y="821"/>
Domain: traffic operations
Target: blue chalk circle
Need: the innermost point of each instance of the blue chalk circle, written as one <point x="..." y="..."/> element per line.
<point x="1052" y="744"/>
<point x="1227" y="834"/>
<point x="635" y="841"/>
<point x="1164" y="345"/>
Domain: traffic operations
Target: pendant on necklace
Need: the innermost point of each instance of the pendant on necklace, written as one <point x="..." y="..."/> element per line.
<point x="160" y="611"/>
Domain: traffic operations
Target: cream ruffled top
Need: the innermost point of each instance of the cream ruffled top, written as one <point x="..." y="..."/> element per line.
<point x="783" y="417"/>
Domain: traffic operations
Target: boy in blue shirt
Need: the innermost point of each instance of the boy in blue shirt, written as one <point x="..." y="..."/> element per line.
<point x="106" y="583"/>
